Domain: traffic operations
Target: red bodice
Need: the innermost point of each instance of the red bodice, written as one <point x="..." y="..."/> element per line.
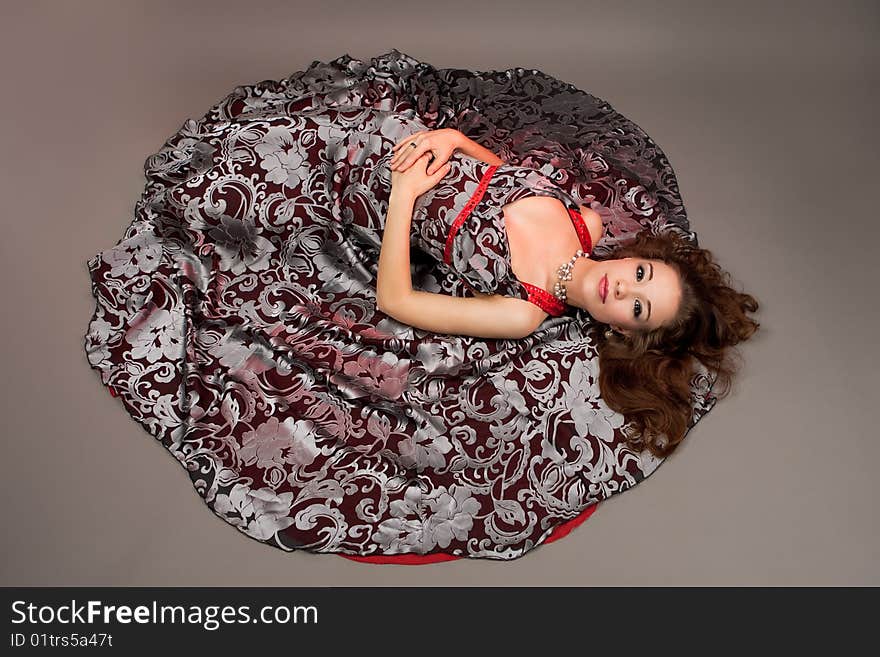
<point x="538" y="296"/>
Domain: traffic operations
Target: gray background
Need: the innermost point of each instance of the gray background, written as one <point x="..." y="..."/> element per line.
<point x="764" y="109"/>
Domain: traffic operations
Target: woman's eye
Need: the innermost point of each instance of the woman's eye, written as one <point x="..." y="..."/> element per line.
<point x="640" y="273"/>
<point x="637" y="308"/>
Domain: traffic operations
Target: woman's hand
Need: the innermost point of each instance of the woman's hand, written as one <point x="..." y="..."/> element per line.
<point x="441" y="143"/>
<point x="415" y="181"/>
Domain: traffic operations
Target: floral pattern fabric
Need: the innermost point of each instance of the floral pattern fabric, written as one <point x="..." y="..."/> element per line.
<point x="236" y="317"/>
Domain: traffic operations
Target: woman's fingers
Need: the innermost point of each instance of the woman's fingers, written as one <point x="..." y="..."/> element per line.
<point x="437" y="164"/>
<point x="421" y="157"/>
<point x="406" y="151"/>
<point x="401" y="156"/>
<point x="397" y="158"/>
<point x="406" y="157"/>
<point x="437" y="175"/>
<point x="406" y="140"/>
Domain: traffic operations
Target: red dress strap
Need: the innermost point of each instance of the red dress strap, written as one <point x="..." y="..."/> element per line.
<point x="466" y="211"/>
<point x="580" y="227"/>
<point x="544" y="300"/>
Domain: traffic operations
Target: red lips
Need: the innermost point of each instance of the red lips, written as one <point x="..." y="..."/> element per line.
<point x="603" y="287"/>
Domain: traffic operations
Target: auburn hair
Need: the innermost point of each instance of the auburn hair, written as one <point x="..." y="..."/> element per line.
<point x="646" y="376"/>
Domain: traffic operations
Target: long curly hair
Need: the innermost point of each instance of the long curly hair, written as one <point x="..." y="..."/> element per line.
<point x="646" y="376"/>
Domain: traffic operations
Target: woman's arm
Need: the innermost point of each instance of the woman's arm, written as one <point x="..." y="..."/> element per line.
<point x="486" y="316"/>
<point x="491" y="316"/>
<point x="394" y="278"/>
<point x="471" y="148"/>
<point x="441" y="143"/>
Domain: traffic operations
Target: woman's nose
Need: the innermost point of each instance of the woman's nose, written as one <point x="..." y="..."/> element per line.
<point x="620" y="290"/>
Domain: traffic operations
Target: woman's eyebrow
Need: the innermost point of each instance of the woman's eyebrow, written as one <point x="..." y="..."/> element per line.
<point x="651" y="275"/>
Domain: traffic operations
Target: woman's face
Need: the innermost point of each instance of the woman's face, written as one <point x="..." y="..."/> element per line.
<point x="641" y="294"/>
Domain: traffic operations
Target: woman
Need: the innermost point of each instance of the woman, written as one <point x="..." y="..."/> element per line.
<point x="663" y="299"/>
<point x="246" y="320"/>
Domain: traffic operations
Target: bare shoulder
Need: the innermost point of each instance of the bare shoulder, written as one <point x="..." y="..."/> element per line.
<point x="593" y="220"/>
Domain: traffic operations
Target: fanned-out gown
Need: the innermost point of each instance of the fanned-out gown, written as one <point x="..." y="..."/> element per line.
<point x="236" y="318"/>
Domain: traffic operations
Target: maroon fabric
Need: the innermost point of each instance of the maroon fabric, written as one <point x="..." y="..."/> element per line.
<point x="558" y="532"/>
<point x="236" y="317"/>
